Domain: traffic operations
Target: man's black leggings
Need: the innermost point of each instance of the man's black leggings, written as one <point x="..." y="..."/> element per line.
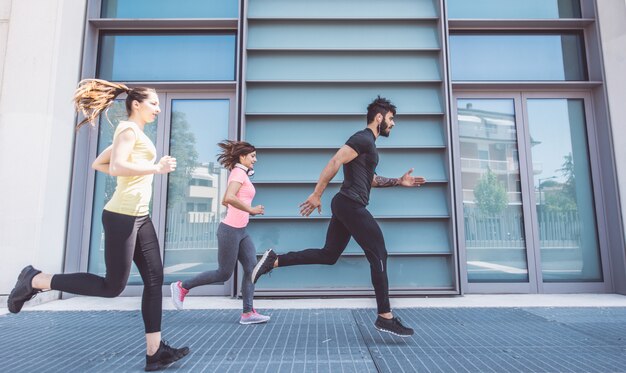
<point x="126" y="239"/>
<point x="350" y="219"/>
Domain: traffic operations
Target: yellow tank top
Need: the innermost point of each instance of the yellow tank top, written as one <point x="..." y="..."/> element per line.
<point x="133" y="193"/>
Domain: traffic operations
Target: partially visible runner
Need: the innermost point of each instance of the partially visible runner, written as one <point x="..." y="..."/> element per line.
<point x="129" y="234"/>
<point x="233" y="242"/>
<point x="350" y="217"/>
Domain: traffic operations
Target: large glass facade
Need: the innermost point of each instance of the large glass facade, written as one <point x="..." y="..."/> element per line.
<point x="495" y="240"/>
<point x="528" y="212"/>
<point x="551" y="196"/>
<point x="528" y="57"/>
<point x="194" y="192"/>
<point x="564" y="197"/>
<point x="132" y="57"/>
<point x="513" y="9"/>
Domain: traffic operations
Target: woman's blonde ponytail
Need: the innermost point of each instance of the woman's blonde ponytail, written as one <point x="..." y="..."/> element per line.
<point x="93" y="96"/>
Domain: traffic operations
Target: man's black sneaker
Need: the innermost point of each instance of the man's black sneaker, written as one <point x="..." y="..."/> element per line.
<point x="393" y="326"/>
<point x="164" y="356"/>
<point x="23" y="290"/>
<point x="265" y="265"/>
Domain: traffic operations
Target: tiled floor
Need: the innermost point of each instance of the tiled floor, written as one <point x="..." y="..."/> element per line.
<point x="324" y="340"/>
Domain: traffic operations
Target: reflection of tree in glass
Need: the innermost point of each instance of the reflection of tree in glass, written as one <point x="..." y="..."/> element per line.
<point x="567" y="170"/>
<point x="183" y="148"/>
<point x="490" y="194"/>
<point x="562" y="199"/>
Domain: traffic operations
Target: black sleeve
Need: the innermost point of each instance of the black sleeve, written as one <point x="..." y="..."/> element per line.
<point x="358" y="143"/>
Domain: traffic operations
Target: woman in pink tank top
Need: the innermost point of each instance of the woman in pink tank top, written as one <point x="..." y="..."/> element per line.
<point x="233" y="241"/>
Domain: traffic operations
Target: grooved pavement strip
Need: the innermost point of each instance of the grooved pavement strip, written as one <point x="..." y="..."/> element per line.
<point x="324" y="340"/>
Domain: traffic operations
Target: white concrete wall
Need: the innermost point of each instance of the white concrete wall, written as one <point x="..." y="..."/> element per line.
<point x="40" y="68"/>
<point x="5" y="10"/>
<point x="612" y="20"/>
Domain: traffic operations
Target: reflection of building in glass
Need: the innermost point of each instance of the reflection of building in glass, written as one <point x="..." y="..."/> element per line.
<point x="193" y="221"/>
<point x="489" y="143"/>
<point x="202" y="194"/>
<point x="494" y="228"/>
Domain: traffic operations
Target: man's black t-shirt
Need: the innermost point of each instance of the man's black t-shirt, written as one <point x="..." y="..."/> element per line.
<point x="359" y="173"/>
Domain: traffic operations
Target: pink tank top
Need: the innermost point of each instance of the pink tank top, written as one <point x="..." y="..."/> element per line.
<point x="235" y="217"/>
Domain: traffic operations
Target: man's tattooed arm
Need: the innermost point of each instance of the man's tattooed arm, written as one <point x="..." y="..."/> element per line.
<point x="384" y="182"/>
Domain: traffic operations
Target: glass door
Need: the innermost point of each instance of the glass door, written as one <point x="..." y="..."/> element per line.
<point x="191" y="198"/>
<point x="495" y="217"/>
<point x="104" y="185"/>
<point x="527" y="197"/>
<point x="186" y="205"/>
<point x="565" y="220"/>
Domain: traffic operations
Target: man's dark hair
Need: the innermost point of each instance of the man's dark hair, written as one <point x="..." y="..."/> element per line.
<point x="379" y="105"/>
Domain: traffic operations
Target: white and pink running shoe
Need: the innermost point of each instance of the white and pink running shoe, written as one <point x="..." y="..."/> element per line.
<point x="178" y="293"/>
<point x="253" y="318"/>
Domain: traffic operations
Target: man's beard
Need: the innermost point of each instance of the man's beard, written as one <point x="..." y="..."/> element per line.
<point x="383" y="128"/>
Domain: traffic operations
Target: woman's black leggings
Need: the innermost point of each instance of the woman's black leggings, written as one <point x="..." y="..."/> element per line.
<point x="126" y="239"/>
<point x="350" y="219"/>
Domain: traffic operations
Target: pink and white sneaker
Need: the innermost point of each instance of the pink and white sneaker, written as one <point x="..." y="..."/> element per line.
<point x="178" y="293"/>
<point x="253" y="318"/>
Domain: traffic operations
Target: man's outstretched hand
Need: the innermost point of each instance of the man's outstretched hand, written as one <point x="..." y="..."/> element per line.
<point x="313" y="202"/>
<point x="407" y="180"/>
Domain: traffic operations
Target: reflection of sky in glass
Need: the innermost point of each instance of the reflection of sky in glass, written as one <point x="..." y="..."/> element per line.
<point x="208" y="121"/>
<point x="507" y="57"/>
<point x="510" y="9"/>
<point x="167" y="57"/>
<point x="549" y="124"/>
<point x="170" y="9"/>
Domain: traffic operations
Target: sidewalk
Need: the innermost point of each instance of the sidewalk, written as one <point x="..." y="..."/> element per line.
<point x="476" y="333"/>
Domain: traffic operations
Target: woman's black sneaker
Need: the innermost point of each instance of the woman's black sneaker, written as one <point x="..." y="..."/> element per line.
<point x="265" y="265"/>
<point x="393" y="326"/>
<point x="23" y="290"/>
<point x="164" y="356"/>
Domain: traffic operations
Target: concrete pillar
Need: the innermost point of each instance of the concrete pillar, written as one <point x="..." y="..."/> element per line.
<point x="41" y="45"/>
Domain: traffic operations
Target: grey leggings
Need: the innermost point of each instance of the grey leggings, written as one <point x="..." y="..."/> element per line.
<point x="232" y="244"/>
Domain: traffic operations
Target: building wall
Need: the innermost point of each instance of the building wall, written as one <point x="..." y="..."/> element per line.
<point x="612" y="24"/>
<point x="5" y="10"/>
<point x="40" y="68"/>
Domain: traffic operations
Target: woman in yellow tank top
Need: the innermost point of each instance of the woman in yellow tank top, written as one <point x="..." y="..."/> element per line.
<point x="129" y="232"/>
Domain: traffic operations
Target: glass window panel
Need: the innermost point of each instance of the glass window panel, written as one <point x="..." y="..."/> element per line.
<point x="564" y="196"/>
<point x="409" y="236"/>
<point x="104" y="188"/>
<point x="492" y="203"/>
<point x="167" y="57"/>
<point x="300" y="131"/>
<point x="513" y="9"/>
<point x="484" y="57"/>
<point x="341" y="98"/>
<point x="194" y="208"/>
<point x="429" y="200"/>
<point x="170" y="9"/>
<point x="342" y="9"/>
<point x="354" y="272"/>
